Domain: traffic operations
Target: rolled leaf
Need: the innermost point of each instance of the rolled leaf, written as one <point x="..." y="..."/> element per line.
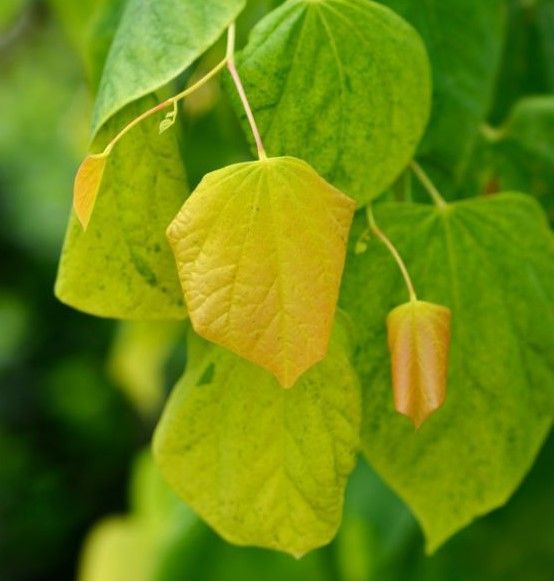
<point x="86" y="186"/>
<point x="419" y="339"/>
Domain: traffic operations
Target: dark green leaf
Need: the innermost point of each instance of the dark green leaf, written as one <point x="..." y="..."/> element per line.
<point x="342" y="84"/>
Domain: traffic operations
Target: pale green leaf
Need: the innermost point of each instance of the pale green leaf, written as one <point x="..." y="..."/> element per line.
<point x="134" y="546"/>
<point x="343" y="84"/>
<point x="465" y="40"/>
<point x="122" y="266"/>
<point x="260" y="250"/>
<point x="137" y="361"/>
<point x="155" y="42"/>
<point x="262" y="465"/>
<point x="491" y="260"/>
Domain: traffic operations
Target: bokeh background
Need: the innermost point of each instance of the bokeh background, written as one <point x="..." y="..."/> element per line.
<point x="79" y="396"/>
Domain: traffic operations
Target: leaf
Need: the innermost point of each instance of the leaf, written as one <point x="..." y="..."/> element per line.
<point x="262" y="465"/>
<point x="134" y="546"/>
<point x="545" y="24"/>
<point x="260" y="249"/>
<point x="155" y="42"/>
<point x="419" y="338"/>
<point x="138" y="359"/>
<point x="122" y="266"/>
<point x="491" y="260"/>
<point x="343" y="84"/>
<point x="520" y="155"/>
<point x="86" y="186"/>
<point x="464" y="39"/>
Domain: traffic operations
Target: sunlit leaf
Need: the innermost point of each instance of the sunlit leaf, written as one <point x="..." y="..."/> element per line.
<point x="262" y="465"/>
<point x="419" y="339"/>
<point x="260" y="250"/>
<point x="154" y="43"/>
<point x="122" y="266"/>
<point x="86" y="186"/>
<point x="491" y="261"/>
<point x="343" y="84"/>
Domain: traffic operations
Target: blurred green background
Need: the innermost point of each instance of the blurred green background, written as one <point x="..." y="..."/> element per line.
<point x="79" y="396"/>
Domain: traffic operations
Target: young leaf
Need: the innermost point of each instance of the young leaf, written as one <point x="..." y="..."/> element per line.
<point x="260" y="250"/>
<point x="492" y="261"/>
<point x="87" y="184"/>
<point x="262" y="465"/>
<point x="465" y="40"/>
<point x="419" y="338"/>
<point x="122" y="266"/>
<point x="154" y="43"/>
<point x="343" y="84"/>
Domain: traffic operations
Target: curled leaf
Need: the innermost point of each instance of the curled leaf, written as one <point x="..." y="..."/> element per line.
<point x="419" y="340"/>
<point x="86" y="186"/>
<point x="260" y="250"/>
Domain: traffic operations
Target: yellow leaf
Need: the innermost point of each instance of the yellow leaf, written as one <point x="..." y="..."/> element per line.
<point x="86" y="186"/>
<point x="260" y="250"/>
<point x="419" y="340"/>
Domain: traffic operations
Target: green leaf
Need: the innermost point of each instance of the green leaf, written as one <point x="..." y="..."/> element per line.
<point x="155" y="42"/>
<point x="262" y="465"/>
<point x="520" y="155"/>
<point x="464" y="39"/>
<point x="545" y="25"/>
<point x="343" y="84"/>
<point x="122" y="266"/>
<point x="491" y="260"/>
<point x="260" y="250"/>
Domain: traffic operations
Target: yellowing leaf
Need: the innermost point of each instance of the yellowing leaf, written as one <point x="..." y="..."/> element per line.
<point x="419" y="339"/>
<point x="87" y="184"/>
<point x="260" y="250"/>
<point x="263" y="466"/>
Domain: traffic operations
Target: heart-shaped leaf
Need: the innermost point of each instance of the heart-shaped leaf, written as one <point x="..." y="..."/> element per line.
<point x="262" y="465"/>
<point x="343" y="84"/>
<point x="260" y="249"/>
<point x="491" y="261"/>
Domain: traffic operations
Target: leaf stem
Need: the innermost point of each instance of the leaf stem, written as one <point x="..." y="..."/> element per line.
<point x="392" y="249"/>
<point x="172" y="101"/>
<point x="240" y="90"/>
<point x="426" y="182"/>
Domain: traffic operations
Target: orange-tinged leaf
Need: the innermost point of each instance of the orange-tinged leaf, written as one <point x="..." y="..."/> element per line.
<point x="419" y="340"/>
<point x="87" y="184"/>
<point x="260" y="250"/>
